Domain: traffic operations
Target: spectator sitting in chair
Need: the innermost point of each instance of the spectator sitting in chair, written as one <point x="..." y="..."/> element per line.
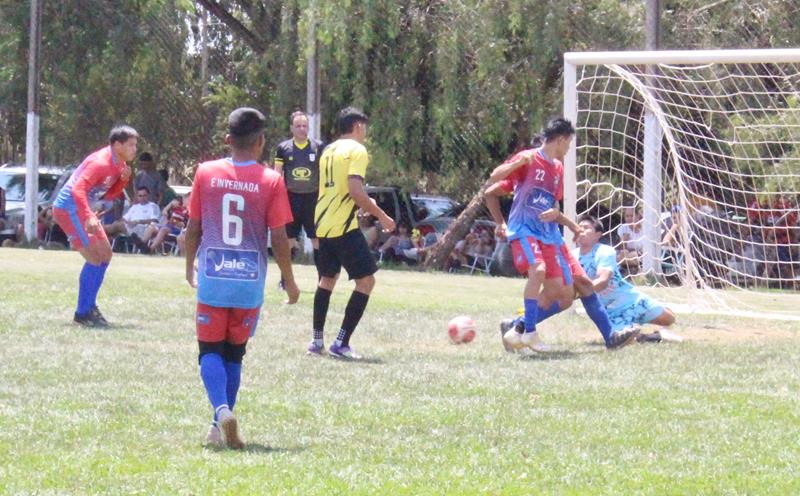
<point x="632" y="238"/>
<point x="394" y="247"/>
<point x="135" y="221"/>
<point x="175" y="214"/>
<point x="366" y="222"/>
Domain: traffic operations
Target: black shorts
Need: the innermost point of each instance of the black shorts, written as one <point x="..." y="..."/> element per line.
<point x="303" y="206"/>
<point x="349" y="251"/>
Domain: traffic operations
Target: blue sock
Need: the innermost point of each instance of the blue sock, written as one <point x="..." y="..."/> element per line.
<point x="86" y="291"/>
<point x="212" y="371"/>
<point x="234" y="373"/>
<point x="598" y="314"/>
<point x="99" y="274"/>
<point x="531" y="313"/>
<point x="546" y="313"/>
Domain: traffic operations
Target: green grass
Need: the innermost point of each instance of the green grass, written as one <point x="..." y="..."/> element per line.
<point x="123" y="411"/>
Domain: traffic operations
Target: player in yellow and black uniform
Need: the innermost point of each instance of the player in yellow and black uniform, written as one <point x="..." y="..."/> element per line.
<point x="343" y="166"/>
<point x="297" y="159"/>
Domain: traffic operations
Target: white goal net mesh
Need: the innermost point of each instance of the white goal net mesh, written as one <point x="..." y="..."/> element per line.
<point x="720" y="222"/>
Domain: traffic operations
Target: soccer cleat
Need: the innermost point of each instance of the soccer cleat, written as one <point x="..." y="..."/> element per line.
<point x="85" y="319"/>
<point x="230" y="429"/>
<point x="653" y="337"/>
<point x="315" y="349"/>
<point x="531" y="340"/>
<point x="513" y="340"/>
<point x="344" y="352"/>
<point x="99" y="320"/>
<point x="669" y="336"/>
<point x="505" y="326"/>
<point x="623" y="337"/>
<point x="214" y="437"/>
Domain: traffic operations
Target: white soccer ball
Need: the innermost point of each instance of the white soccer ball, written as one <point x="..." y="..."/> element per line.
<point x="461" y="329"/>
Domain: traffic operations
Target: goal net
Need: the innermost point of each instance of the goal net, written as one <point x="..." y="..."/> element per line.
<point x="691" y="159"/>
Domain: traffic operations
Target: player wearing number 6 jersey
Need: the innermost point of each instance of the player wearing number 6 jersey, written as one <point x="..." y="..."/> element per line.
<point x="233" y="201"/>
<point x="343" y="167"/>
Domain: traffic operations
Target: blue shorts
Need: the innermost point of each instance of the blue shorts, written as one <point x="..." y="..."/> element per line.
<point x="641" y="311"/>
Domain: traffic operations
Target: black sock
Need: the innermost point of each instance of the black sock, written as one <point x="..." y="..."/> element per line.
<point x="316" y="263"/>
<point x="321" y="300"/>
<point x="352" y="314"/>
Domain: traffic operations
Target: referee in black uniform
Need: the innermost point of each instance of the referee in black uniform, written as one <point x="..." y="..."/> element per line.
<point x="297" y="159"/>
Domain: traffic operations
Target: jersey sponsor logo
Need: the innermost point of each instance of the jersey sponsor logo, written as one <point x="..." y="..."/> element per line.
<point x="311" y="157"/>
<point x="203" y="318"/>
<point x="539" y="200"/>
<point x="301" y="173"/>
<point x="238" y="265"/>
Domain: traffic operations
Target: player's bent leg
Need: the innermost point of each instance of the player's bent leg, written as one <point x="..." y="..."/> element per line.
<point x="666" y="318"/>
<point x="594" y="308"/>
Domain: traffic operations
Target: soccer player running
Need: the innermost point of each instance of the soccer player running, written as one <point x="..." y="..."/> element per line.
<point x="298" y="160"/>
<point x="626" y="306"/>
<point x="343" y="167"/>
<point x="233" y="201"/>
<point x="536" y="178"/>
<point x="101" y="175"/>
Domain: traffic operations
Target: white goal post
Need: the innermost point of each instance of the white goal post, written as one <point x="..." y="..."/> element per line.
<point x="707" y="141"/>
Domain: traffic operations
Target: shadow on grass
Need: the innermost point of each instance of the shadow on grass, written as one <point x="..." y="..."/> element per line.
<point x="257" y="448"/>
<point x="364" y="360"/>
<point x="561" y="354"/>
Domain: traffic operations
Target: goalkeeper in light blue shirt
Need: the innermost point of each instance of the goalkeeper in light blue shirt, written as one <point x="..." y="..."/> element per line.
<point x="626" y="306"/>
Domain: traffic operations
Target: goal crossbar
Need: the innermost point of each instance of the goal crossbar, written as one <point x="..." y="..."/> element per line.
<point x="748" y="56"/>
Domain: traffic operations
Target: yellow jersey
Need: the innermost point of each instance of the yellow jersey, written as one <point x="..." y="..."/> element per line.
<point x="336" y="211"/>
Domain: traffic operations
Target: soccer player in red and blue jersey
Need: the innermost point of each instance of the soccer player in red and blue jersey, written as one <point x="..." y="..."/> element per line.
<point x="233" y="202"/>
<point x="536" y="178"/>
<point x="103" y="174"/>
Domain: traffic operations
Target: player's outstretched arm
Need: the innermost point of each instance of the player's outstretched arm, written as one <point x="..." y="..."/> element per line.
<point x="355" y="186"/>
<point x="283" y="257"/>
<point x="192" y="242"/>
<point x="505" y="169"/>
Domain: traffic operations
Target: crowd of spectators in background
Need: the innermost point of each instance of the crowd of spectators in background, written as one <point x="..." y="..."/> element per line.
<point x="758" y="243"/>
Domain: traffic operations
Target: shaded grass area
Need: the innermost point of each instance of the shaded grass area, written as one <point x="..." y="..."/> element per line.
<point x="123" y="411"/>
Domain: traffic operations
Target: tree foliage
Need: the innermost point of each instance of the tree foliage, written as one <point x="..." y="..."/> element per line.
<point x="451" y="86"/>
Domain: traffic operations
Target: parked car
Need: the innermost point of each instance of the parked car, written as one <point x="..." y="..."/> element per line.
<point x="12" y="180"/>
<point x="423" y="212"/>
<point x="439" y="212"/>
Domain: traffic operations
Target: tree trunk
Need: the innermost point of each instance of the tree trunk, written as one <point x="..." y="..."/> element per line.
<point x="456" y="232"/>
<point x="247" y="36"/>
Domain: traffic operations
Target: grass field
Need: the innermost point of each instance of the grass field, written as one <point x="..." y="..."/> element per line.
<point x="123" y="411"/>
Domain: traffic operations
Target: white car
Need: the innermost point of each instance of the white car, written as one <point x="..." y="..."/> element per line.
<point x="12" y="180"/>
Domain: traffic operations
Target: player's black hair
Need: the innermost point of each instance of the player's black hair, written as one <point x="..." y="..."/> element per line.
<point x="556" y="128"/>
<point x="596" y="224"/>
<point x="121" y="134"/>
<point x="296" y="113"/>
<point x="245" y="127"/>
<point x="146" y="157"/>
<point x="164" y="174"/>
<point x="537" y="140"/>
<point x="348" y="118"/>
